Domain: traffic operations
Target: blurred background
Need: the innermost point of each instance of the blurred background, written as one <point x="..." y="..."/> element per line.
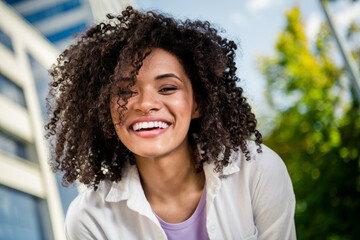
<point x="298" y="62"/>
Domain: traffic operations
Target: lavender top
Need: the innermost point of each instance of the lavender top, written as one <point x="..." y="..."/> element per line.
<point x="193" y="228"/>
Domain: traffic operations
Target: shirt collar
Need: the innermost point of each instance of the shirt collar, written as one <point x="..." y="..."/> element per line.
<point x="129" y="188"/>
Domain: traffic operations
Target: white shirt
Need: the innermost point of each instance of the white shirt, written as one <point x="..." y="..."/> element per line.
<point x="250" y="200"/>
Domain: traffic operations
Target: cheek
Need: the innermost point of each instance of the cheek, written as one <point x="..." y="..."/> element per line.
<point x="183" y="105"/>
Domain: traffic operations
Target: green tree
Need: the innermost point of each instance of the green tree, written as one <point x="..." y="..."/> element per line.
<point x="316" y="131"/>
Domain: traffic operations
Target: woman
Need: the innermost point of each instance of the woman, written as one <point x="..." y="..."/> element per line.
<point x="147" y="114"/>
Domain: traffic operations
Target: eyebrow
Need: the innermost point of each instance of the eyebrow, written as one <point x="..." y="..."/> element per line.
<point x="167" y="75"/>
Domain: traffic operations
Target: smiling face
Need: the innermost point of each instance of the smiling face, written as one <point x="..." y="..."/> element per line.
<point x="159" y="112"/>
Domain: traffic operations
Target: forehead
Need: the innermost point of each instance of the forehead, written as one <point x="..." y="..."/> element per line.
<point x="161" y="59"/>
<point x="157" y="63"/>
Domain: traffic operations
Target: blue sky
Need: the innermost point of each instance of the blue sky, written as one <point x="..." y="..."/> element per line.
<point x="254" y="25"/>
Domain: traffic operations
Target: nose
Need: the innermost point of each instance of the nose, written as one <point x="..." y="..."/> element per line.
<point x="147" y="101"/>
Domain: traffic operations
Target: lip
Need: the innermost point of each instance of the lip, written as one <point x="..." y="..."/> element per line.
<point x="149" y="133"/>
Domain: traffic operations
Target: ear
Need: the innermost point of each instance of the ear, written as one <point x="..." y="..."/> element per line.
<point x="195" y="111"/>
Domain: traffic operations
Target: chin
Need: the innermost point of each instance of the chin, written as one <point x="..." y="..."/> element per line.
<point x="150" y="154"/>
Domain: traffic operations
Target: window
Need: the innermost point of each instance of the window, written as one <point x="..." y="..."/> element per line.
<point x="15" y="1"/>
<point x="12" y="91"/>
<point x="11" y="145"/>
<point x="69" y="32"/>
<point x="6" y="41"/>
<point x="23" y="216"/>
<point x="52" y="11"/>
<point x="42" y="80"/>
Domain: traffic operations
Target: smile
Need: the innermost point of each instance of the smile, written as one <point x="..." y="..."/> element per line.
<point x="150" y="125"/>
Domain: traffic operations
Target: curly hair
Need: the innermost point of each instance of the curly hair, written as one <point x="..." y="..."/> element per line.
<point x="81" y="132"/>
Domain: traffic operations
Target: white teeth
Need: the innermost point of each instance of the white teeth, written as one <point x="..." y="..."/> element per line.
<point x="147" y="125"/>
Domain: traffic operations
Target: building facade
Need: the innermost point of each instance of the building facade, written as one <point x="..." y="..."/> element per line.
<point x="32" y="34"/>
<point x="30" y="206"/>
<point x="32" y="201"/>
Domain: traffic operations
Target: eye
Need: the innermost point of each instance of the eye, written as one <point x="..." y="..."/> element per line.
<point x="168" y="89"/>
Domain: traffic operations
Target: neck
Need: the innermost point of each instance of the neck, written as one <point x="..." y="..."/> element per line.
<point x="171" y="176"/>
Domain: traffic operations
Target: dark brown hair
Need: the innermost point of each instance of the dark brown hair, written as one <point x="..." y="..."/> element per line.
<point x="84" y="141"/>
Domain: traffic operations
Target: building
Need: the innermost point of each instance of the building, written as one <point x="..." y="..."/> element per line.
<point x="32" y="34"/>
<point x="30" y="205"/>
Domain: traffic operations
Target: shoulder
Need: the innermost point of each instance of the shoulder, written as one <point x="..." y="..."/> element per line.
<point x="265" y="161"/>
<point x="271" y="192"/>
<point x="265" y="172"/>
<point x="80" y="215"/>
<point x="267" y="158"/>
<point x="89" y="197"/>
